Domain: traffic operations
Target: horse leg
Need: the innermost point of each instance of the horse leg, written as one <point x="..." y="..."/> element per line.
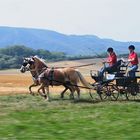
<point x="30" y="88"/>
<point x="43" y="91"/>
<point x="62" y="93"/>
<point x="47" y="97"/>
<point x="78" y="92"/>
<point x="76" y="88"/>
<point x="72" y="92"/>
<point x="48" y="94"/>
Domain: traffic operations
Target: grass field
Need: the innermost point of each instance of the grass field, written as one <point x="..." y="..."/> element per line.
<point x="27" y="117"/>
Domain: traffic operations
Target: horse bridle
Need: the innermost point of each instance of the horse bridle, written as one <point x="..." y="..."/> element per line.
<point x="33" y="70"/>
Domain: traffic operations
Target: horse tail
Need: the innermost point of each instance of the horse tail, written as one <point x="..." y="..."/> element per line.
<point x="83" y="81"/>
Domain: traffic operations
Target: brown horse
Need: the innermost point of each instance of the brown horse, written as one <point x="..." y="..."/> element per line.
<point x="68" y="77"/>
<point x="27" y="66"/>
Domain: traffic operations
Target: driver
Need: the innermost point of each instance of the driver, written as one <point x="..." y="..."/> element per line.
<point x="111" y="60"/>
<point x="133" y="59"/>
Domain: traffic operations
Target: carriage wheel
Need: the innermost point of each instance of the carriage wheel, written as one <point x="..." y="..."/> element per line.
<point x="108" y="92"/>
<point x="104" y="93"/>
<point x="93" y="95"/>
<point x="115" y="91"/>
<point x="100" y="92"/>
<point x="122" y="93"/>
<point x="133" y="92"/>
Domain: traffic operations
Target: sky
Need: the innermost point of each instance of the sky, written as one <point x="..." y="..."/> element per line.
<point x="115" y="19"/>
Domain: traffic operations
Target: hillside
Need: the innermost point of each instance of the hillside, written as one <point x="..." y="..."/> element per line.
<point x="53" y="41"/>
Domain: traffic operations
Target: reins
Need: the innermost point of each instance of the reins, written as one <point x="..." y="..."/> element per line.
<point x="75" y="66"/>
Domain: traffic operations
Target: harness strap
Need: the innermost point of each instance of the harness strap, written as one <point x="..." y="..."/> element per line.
<point x="51" y="76"/>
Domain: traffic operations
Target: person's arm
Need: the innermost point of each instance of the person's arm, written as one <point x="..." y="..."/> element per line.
<point x="107" y="61"/>
<point x="132" y="59"/>
<point x="112" y="58"/>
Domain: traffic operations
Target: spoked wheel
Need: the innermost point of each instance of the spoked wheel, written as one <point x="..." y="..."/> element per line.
<point x="93" y="94"/>
<point x="133" y="92"/>
<point x="108" y="92"/>
<point x="100" y="91"/>
<point x="115" y="91"/>
<point x="122" y="93"/>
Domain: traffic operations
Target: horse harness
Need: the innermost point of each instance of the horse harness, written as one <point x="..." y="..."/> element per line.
<point x="48" y="74"/>
<point x="51" y="76"/>
<point x="36" y="77"/>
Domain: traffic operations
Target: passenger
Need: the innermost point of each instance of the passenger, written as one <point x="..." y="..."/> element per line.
<point x="133" y="59"/>
<point x="111" y="60"/>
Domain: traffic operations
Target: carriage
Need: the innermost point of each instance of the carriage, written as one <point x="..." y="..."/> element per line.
<point x="117" y="84"/>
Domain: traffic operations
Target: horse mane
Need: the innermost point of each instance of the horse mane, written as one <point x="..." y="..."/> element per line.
<point x="40" y="60"/>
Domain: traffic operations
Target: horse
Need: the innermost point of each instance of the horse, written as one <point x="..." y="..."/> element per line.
<point x="25" y="67"/>
<point x="68" y="77"/>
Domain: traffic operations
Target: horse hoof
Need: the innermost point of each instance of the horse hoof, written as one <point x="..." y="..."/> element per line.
<point x="45" y="96"/>
<point x="78" y="99"/>
<point x="71" y="97"/>
<point x="31" y="93"/>
<point x="48" y="100"/>
<point x="61" y="97"/>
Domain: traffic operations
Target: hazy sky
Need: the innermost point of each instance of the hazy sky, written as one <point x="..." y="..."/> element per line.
<point x="117" y="19"/>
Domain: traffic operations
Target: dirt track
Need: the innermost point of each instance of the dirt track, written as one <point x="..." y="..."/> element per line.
<point x="14" y="83"/>
<point x="18" y="84"/>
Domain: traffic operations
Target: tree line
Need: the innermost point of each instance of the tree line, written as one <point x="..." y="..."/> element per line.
<point x="12" y="57"/>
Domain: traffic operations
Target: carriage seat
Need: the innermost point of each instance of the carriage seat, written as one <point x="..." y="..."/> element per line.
<point x="116" y="68"/>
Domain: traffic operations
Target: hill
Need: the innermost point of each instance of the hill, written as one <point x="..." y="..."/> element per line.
<point x="54" y="41"/>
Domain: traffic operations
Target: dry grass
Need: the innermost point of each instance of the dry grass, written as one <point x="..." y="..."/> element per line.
<point x="16" y="83"/>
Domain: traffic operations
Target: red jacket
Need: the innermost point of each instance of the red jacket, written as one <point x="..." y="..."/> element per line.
<point x="112" y="59"/>
<point x="134" y="56"/>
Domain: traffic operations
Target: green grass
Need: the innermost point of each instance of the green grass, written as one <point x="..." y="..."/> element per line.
<point x="24" y="117"/>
